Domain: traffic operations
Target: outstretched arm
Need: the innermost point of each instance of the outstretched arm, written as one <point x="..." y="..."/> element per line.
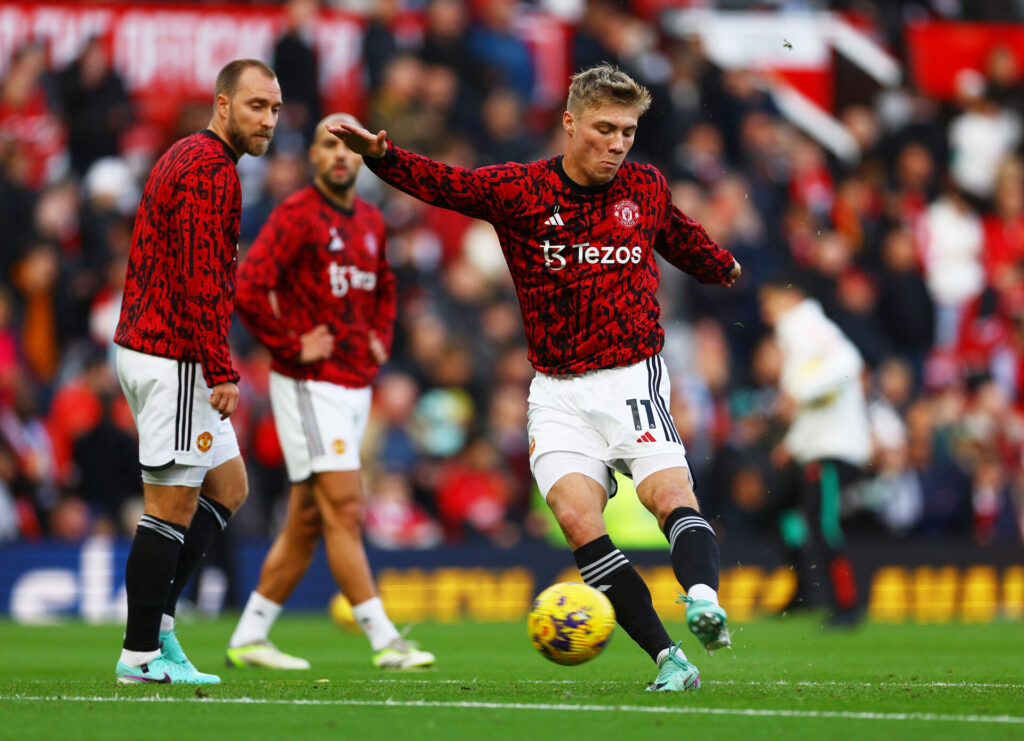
<point x="686" y="245"/>
<point x="487" y="193"/>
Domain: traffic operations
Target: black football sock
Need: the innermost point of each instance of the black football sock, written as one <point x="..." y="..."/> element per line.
<point x="694" y="548"/>
<point x="605" y="568"/>
<point x="210" y="519"/>
<point x="147" y="578"/>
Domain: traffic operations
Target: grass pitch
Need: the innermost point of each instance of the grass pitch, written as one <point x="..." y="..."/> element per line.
<point x="787" y="678"/>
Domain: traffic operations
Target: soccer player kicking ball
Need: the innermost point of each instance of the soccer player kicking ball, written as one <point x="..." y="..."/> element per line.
<point x="174" y="363"/>
<point x="316" y="289"/>
<point x="579" y="234"/>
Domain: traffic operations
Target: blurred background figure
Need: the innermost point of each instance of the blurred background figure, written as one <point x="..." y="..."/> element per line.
<point x="828" y="440"/>
<point x="95" y="106"/>
<point x="297" y="65"/>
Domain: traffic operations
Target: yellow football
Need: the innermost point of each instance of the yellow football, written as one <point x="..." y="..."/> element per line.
<point x="570" y="623"/>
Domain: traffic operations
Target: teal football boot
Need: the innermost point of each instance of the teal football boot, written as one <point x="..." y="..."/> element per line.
<point x="170" y="649"/>
<point x="675" y="673"/>
<point x="708" y="622"/>
<point x="158" y="671"/>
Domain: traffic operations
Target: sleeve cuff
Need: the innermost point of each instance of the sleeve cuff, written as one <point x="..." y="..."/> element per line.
<point x="387" y="160"/>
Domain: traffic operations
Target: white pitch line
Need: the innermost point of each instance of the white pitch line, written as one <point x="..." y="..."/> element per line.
<point x="712" y="682"/>
<point x="561" y="707"/>
<point x="840" y="683"/>
<point x="909" y="684"/>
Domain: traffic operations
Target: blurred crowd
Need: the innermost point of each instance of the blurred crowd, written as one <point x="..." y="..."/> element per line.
<point x="916" y="250"/>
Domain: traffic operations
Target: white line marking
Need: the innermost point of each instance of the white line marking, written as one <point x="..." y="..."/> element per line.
<point x="712" y="682"/>
<point x="909" y="684"/>
<point x="748" y="712"/>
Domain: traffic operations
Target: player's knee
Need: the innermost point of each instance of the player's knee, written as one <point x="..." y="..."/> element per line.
<point x="236" y="495"/>
<point x="662" y="502"/>
<point x="179" y="511"/>
<point x="579" y="525"/>
<point x="345" y="510"/>
<point x="305" y="524"/>
<point x="352" y="511"/>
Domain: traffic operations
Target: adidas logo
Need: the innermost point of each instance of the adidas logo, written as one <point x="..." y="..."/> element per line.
<point x="647" y="437"/>
<point x="555" y="220"/>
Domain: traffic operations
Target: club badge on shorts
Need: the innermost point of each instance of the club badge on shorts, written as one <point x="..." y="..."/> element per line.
<point x="204" y="441"/>
<point x="339" y="446"/>
<point x="533" y="444"/>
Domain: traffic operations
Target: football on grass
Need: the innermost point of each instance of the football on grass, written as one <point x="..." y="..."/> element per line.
<point x="570" y="623"/>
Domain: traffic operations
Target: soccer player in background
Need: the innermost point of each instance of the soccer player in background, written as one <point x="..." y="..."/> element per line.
<point x="579" y="234"/>
<point x="174" y="363"/>
<point x="316" y="289"/>
<point x="829" y="437"/>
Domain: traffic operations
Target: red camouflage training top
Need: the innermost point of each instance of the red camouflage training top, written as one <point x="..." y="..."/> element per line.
<point x="327" y="266"/>
<point x="180" y="289"/>
<point x="581" y="258"/>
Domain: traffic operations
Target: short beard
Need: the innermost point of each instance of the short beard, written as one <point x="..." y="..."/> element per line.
<point x="243" y="144"/>
<point x="258" y="148"/>
<point x="339" y="187"/>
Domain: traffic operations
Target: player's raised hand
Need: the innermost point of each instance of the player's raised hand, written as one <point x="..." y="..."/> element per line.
<point x="359" y="140"/>
<point x="377" y="349"/>
<point x="317" y="345"/>
<point x="224" y="398"/>
<point x="733" y="275"/>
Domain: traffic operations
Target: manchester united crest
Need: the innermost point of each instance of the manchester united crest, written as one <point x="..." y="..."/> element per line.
<point x="204" y="441"/>
<point x="627" y="213"/>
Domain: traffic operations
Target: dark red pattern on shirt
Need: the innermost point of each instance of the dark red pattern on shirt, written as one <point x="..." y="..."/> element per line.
<point x="325" y="266"/>
<point x="180" y="289"/>
<point x="580" y="315"/>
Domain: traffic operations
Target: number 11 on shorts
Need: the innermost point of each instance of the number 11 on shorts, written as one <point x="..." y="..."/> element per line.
<point x="635" y="408"/>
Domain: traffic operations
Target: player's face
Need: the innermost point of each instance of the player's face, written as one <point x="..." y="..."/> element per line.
<point x="252" y="113"/>
<point x="599" y="140"/>
<point x="335" y="164"/>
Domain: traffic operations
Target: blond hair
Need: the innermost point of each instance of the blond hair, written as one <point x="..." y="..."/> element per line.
<point x="604" y="84"/>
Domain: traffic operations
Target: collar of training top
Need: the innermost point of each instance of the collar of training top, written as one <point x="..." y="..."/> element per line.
<point x="228" y="149"/>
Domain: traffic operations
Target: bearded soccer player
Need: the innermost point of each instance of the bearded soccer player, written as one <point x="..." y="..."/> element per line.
<point x="174" y="363"/>
<point x="579" y="234"/>
<point x="316" y="289"/>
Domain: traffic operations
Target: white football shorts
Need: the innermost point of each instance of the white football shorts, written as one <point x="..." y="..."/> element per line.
<point x="320" y="424"/>
<point x="181" y="436"/>
<point x="614" y="418"/>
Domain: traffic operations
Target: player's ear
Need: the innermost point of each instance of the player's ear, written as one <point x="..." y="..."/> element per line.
<point x="568" y="122"/>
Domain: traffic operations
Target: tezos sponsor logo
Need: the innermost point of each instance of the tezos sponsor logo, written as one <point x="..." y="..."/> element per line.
<point x="344" y="277"/>
<point x="557" y="256"/>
